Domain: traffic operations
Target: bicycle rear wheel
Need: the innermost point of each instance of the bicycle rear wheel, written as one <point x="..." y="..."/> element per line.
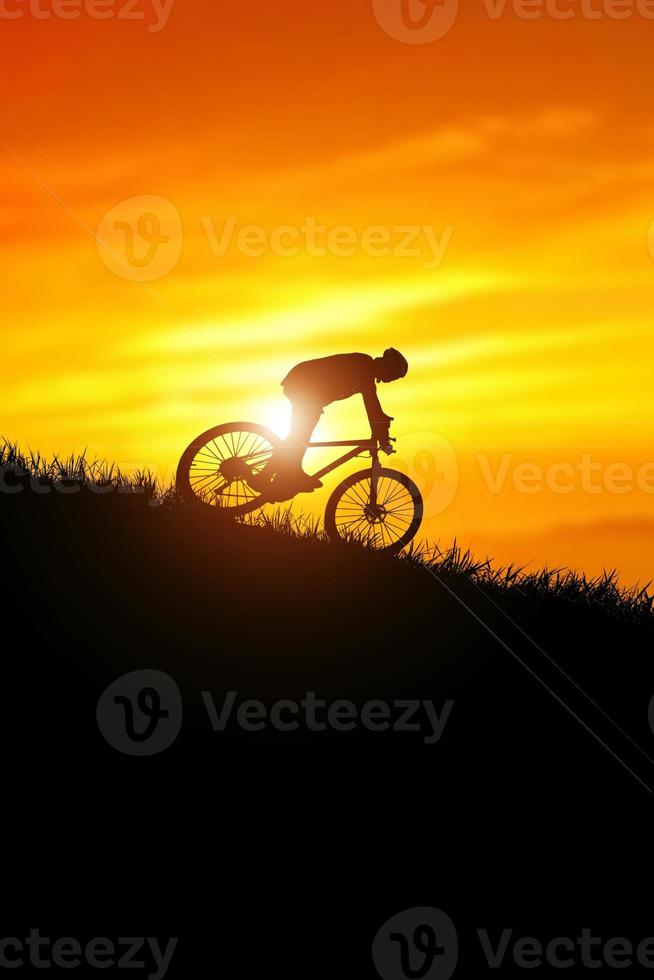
<point x="214" y="470"/>
<point x="390" y="525"/>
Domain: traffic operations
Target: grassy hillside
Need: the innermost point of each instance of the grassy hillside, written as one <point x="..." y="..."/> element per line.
<point x="109" y="575"/>
<point x="540" y="772"/>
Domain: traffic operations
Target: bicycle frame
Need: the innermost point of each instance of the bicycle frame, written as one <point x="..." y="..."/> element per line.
<point x="360" y="446"/>
<point x="373" y="499"/>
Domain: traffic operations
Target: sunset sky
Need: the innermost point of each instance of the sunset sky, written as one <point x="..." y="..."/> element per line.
<point x="525" y="146"/>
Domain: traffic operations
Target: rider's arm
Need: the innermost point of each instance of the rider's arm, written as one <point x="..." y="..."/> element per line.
<point x="376" y="414"/>
<point x="379" y="420"/>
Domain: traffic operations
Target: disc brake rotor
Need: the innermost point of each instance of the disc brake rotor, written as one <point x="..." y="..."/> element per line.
<point x="374" y="515"/>
<point x="234" y="468"/>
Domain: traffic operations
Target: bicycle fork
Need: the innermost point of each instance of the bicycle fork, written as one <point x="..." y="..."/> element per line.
<point x="374" y="477"/>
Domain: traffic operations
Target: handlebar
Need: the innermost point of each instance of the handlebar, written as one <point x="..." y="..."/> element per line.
<point x="385" y="445"/>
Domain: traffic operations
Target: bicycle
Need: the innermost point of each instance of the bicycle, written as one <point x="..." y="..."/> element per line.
<point x="382" y="507"/>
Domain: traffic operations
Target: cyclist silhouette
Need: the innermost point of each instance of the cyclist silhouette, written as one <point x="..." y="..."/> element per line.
<point x="312" y="385"/>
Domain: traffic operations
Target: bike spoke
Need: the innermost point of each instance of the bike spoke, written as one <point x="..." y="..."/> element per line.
<point x="363" y="500"/>
<point x="249" y="445"/>
<point x="399" y="491"/>
<point x="398" y="502"/>
<point x="401" y="511"/>
<point x="242" y="442"/>
<point x="396" y="529"/>
<point x="209" y="475"/>
<point x="382" y="528"/>
<point x="207" y="478"/>
<point x="208" y="451"/>
<point x="216" y="447"/>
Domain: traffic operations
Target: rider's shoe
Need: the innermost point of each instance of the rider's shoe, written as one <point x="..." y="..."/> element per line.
<point x="308" y="483"/>
<point x="286" y="485"/>
<point x="260" y="482"/>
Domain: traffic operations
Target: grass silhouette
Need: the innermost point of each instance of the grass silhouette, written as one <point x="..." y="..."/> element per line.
<point x="98" y="478"/>
<point x="550" y="672"/>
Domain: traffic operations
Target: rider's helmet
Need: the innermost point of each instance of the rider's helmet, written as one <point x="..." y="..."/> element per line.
<point x="395" y="364"/>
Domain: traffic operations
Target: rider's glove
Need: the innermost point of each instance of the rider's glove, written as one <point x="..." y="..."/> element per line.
<point x="380" y="433"/>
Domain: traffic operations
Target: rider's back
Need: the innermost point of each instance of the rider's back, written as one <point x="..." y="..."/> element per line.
<point x="329" y="379"/>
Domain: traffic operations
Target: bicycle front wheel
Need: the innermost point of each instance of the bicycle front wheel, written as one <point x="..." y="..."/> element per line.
<point x="216" y="468"/>
<point x="389" y="525"/>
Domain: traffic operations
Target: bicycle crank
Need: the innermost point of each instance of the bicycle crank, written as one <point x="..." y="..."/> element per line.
<point x="374" y="513"/>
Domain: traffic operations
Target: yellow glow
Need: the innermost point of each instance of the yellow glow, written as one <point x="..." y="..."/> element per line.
<point x="531" y="337"/>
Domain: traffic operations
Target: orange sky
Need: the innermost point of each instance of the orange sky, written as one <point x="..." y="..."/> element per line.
<point x="525" y="146"/>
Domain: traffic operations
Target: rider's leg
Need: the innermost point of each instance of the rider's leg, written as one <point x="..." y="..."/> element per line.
<point x="304" y="418"/>
<point x="287" y="459"/>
